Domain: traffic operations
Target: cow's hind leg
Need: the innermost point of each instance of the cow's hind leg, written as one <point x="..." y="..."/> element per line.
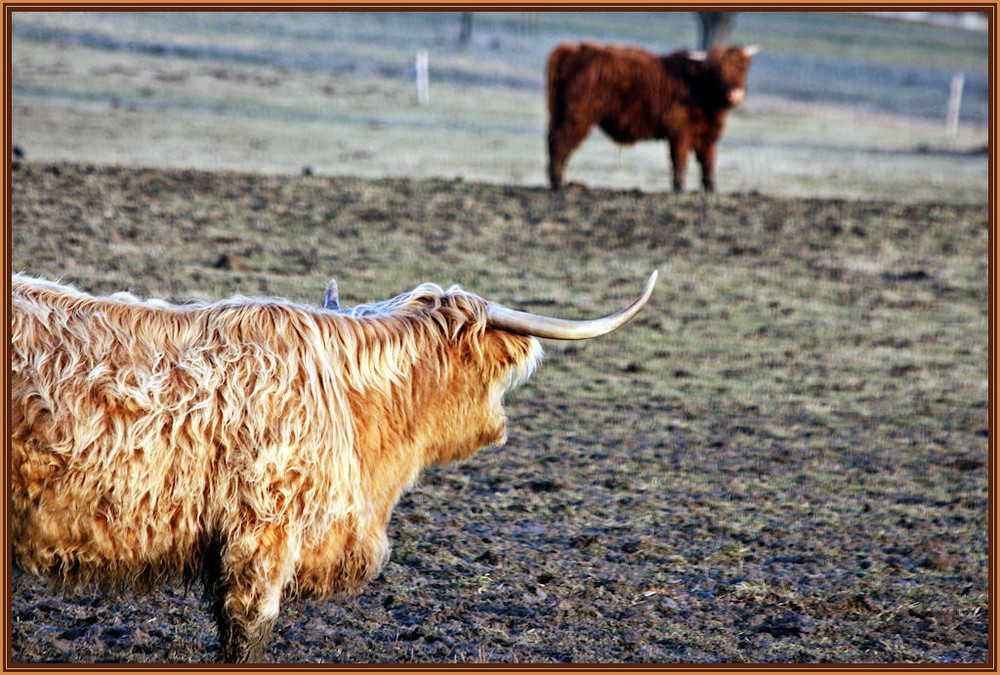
<point x="563" y="140"/>
<point x="247" y="585"/>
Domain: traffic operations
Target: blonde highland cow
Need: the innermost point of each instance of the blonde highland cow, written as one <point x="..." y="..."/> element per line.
<point x="257" y="443"/>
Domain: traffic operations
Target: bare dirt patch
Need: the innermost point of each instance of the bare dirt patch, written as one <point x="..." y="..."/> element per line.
<point x="782" y="459"/>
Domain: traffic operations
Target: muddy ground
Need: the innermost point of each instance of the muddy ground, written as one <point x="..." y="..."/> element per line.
<point x="783" y="459"/>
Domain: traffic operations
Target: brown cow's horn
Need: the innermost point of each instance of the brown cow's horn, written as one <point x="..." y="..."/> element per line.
<point x="523" y="323"/>
<point x="751" y="50"/>
<point x="697" y="56"/>
<point x="332" y="300"/>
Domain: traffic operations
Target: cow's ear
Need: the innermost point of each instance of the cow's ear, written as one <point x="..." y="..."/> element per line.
<point x="508" y="356"/>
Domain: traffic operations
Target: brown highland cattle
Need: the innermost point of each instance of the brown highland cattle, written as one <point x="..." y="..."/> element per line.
<point x="256" y="443"/>
<point x="634" y="95"/>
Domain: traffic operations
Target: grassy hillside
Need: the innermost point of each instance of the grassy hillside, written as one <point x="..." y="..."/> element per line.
<point x="840" y="104"/>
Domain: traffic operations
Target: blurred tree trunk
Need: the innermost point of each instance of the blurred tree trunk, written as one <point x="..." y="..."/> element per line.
<point x="715" y="28"/>
<point x="465" y="30"/>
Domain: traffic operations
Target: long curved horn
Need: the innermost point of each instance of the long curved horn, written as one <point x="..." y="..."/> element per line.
<point x="523" y="323"/>
<point x="751" y="50"/>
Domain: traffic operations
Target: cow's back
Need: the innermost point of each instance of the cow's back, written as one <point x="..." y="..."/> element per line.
<point x="626" y="90"/>
<point x="107" y="478"/>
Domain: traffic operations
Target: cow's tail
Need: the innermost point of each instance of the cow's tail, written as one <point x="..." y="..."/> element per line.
<point x="557" y="69"/>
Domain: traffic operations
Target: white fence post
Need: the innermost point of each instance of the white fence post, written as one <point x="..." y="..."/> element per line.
<point x="954" y="103"/>
<point x="423" y="80"/>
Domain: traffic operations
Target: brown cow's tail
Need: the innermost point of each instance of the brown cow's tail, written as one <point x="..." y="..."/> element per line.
<point x="556" y="72"/>
<point x="563" y="61"/>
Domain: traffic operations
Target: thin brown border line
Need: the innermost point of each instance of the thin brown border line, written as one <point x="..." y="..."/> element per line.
<point x="455" y="5"/>
<point x="7" y="180"/>
<point x="992" y="323"/>
<point x="991" y="329"/>
<point x="126" y="5"/>
<point x="992" y="280"/>
<point x="449" y="5"/>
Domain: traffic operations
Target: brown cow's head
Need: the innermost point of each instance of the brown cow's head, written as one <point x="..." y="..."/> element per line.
<point x="722" y="73"/>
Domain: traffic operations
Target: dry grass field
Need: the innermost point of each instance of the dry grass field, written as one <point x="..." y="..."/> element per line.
<point x="782" y="459"/>
<point x="839" y="105"/>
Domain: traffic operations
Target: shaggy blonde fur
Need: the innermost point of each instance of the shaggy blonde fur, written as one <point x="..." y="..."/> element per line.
<point x="261" y="442"/>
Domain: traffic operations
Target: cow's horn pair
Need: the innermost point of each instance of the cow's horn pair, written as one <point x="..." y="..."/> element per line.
<point x="702" y="55"/>
<point x="523" y="323"/>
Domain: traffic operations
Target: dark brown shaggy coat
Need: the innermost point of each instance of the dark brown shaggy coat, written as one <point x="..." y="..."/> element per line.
<point x="634" y="95"/>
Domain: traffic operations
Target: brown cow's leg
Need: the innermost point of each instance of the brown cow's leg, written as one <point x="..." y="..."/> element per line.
<point x="252" y="573"/>
<point x="679" y="149"/>
<point x="706" y="158"/>
<point x="562" y="142"/>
